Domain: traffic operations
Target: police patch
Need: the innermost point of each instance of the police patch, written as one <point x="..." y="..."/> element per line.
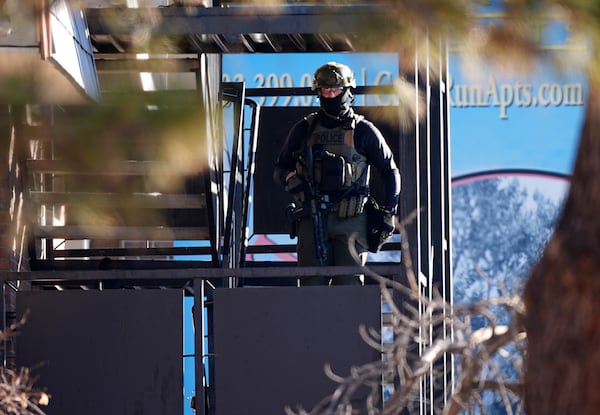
<point x="329" y="137"/>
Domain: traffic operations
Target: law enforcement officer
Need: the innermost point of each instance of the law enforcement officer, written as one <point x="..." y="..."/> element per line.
<point x="325" y="164"/>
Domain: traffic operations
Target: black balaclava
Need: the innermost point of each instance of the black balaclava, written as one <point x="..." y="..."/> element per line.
<point x="338" y="106"/>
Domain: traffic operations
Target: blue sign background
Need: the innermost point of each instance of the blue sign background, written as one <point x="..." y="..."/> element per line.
<point x="296" y="70"/>
<point x="496" y="137"/>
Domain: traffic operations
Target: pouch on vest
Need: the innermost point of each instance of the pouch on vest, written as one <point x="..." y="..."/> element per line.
<point x="330" y="172"/>
<point x="351" y="206"/>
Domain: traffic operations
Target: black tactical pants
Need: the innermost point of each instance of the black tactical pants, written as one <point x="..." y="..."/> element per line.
<point x="337" y="234"/>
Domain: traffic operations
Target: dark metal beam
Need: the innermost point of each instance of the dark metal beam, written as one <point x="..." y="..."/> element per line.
<point x="233" y="20"/>
<point x="306" y="91"/>
<point x="127" y="63"/>
<point x="193" y="273"/>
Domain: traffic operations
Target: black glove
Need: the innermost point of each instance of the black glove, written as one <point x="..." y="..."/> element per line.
<point x="380" y="225"/>
<point x="387" y="223"/>
<point x="295" y="184"/>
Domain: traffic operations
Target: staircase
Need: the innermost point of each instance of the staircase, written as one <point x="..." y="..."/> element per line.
<point x="124" y="187"/>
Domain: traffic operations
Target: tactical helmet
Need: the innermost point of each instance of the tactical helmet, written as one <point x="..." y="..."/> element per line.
<point x="333" y="74"/>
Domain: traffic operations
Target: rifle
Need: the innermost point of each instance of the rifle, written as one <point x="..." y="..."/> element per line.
<point x="316" y="208"/>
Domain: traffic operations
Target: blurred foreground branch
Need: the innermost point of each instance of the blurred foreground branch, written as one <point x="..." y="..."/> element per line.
<point x="486" y="356"/>
<point x="17" y="393"/>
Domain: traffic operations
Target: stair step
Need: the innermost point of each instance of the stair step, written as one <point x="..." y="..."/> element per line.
<point x="150" y="233"/>
<point x="113" y="167"/>
<point x="115" y="200"/>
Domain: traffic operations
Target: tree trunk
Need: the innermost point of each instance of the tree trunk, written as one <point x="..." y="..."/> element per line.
<point x="562" y="294"/>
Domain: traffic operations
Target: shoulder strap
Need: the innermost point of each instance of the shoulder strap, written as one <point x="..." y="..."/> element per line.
<point x="312" y="123"/>
<point x="311" y="119"/>
<point x="356" y="119"/>
<point x="350" y="123"/>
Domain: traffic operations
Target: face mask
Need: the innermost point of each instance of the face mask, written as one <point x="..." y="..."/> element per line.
<point x="336" y="106"/>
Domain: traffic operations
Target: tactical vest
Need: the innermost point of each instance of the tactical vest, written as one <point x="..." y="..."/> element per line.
<point x="339" y="170"/>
